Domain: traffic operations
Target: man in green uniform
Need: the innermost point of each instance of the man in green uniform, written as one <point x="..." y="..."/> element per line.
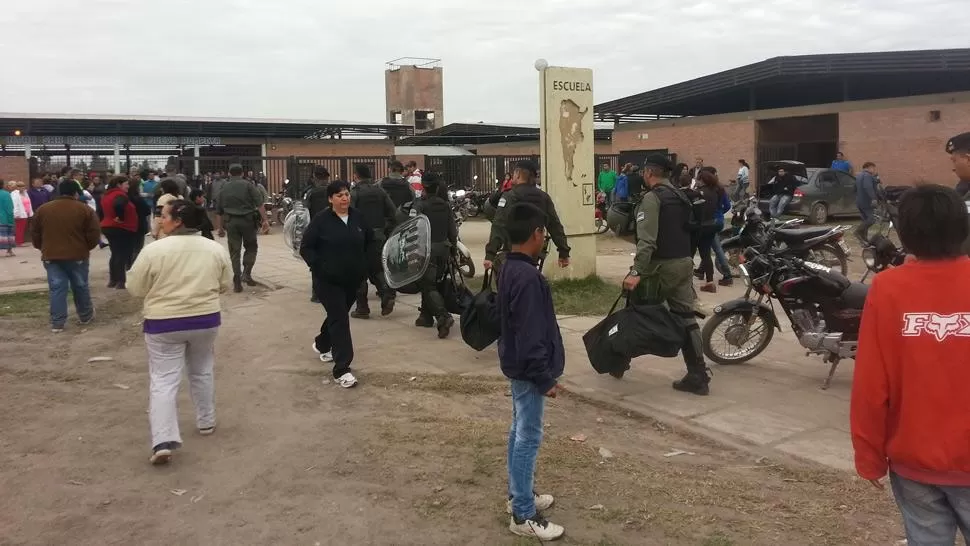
<point x="663" y="268"/>
<point x="239" y="203"/>
<point x="524" y="189"/>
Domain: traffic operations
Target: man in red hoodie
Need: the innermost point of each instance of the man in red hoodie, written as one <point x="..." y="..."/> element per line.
<point x="910" y="410"/>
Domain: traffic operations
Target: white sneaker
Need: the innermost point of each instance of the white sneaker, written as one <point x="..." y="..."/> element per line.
<point x="324" y="357"/>
<point x="536" y="527"/>
<point x="56" y="330"/>
<point x="346" y="380"/>
<point x="543" y="502"/>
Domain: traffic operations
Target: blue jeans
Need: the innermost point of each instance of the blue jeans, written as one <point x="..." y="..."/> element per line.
<point x="932" y="513"/>
<point x="777" y="205"/>
<point x="64" y="274"/>
<point x="524" y="439"/>
<point x="740" y="190"/>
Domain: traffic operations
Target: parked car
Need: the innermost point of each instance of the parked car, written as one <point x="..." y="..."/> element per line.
<point x="822" y="193"/>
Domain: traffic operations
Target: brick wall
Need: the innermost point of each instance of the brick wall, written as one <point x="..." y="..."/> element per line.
<point x="719" y="144"/>
<point x="15" y="168"/>
<point x="329" y="148"/>
<point x="903" y="143"/>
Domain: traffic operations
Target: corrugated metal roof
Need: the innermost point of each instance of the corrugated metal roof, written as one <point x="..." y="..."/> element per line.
<point x="32" y="124"/>
<point x="912" y="72"/>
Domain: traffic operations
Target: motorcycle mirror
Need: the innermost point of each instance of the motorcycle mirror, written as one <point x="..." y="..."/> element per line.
<point x="460" y="193"/>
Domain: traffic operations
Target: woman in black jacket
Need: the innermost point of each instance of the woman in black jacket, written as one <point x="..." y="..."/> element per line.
<point x="710" y="189"/>
<point x="334" y="246"/>
<point x="144" y="211"/>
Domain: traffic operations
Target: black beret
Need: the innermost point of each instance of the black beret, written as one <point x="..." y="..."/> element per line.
<point x="959" y="143"/>
<point x="658" y="160"/>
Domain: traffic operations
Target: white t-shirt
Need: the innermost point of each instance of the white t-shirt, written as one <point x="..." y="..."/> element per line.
<point x="345" y="218"/>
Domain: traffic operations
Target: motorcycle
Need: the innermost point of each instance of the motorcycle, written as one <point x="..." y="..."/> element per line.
<point x="466" y="266"/>
<point x="458" y="200"/>
<point x="600" y="213"/>
<point x="824" y="245"/>
<point x="823" y="307"/>
<point x="476" y="203"/>
<point x="880" y="255"/>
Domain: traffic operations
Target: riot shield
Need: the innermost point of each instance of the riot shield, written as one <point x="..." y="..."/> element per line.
<point x="294" y="225"/>
<point x="407" y="252"/>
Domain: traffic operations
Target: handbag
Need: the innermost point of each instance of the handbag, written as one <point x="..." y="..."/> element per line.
<point x="479" y="322"/>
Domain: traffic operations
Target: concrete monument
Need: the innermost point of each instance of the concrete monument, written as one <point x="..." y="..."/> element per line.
<point x="567" y="170"/>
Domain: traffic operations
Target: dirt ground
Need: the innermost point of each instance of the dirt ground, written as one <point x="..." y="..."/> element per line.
<point x="400" y="460"/>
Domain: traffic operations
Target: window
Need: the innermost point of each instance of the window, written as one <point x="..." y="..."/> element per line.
<point x="423" y="120"/>
<point x="846" y="179"/>
<point x="395" y="117"/>
<point x="827" y="178"/>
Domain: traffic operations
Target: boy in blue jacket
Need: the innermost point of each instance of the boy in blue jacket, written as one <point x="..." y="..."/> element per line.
<point x="532" y="356"/>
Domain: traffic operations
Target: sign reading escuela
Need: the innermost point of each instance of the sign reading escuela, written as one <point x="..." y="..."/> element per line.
<point x="110" y="140"/>
<point x="567" y="146"/>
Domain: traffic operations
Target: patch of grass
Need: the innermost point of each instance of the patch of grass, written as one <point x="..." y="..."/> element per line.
<point x="718" y="539"/>
<point x="23" y="304"/>
<point x="589" y="296"/>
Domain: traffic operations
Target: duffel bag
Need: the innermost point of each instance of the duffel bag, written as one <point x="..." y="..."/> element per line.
<point x="649" y="329"/>
<point x="599" y="346"/>
<point x="479" y="322"/>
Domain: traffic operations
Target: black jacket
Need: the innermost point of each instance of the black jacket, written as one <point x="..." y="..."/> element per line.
<point x="144" y="211"/>
<point x="442" y="219"/>
<point x="316" y="199"/>
<point x="335" y="251"/>
<point x="785" y="185"/>
<point x="376" y="207"/>
<point x="398" y="189"/>
<point x="530" y="347"/>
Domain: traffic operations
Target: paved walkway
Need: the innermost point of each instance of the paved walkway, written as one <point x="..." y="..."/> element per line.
<point x="772" y="404"/>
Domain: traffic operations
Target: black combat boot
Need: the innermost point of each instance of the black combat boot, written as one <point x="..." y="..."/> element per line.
<point x="444" y="326"/>
<point x="236" y="284"/>
<point x="694" y="383"/>
<point x="362" y="311"/>
<point x="424" y="320"/>
<point x="387" y="306"/>
<point x="697" y="381"/>
<point x="247" y="278"/>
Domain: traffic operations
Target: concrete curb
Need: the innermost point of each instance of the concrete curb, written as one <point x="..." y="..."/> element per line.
<point x="23" y="288"/>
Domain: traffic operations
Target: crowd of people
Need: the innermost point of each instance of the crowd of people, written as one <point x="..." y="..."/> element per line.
<point x="911" y="347"/>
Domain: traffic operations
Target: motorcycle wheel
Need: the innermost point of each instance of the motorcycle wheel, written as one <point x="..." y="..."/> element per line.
<point x="831" y="255"/>
<point x="601" y="226"/>
<point x="738" y="335"/>
<point x="472" y="211"/>
<point x="466" y="266"/>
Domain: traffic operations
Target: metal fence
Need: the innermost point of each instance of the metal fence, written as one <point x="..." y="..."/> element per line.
<point x="485" y="172"/>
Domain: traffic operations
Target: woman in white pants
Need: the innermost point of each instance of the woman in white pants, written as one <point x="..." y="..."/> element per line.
<point x="180" y="277"/>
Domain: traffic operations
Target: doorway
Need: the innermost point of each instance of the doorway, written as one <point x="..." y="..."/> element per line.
<point x="812" y="140"/>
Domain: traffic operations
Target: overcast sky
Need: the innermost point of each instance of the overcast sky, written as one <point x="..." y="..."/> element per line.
<point x="324" y="59"/>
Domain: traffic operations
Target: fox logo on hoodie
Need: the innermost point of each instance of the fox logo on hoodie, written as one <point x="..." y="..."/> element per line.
<point x="940" y="326"/>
